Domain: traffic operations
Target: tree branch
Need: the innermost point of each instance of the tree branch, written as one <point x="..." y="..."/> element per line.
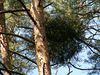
<point x="87" y="43"/>
<point x="9" y="71"/>
<point x="23" y="56"/>
<point x="25" y="27"/>
<point x="90" y="12"/>
<point x="20" y="10"/>
<point x="69" y="70"/>
<point x="28" y="13"/>
<point x="13" y="10"/>
<point x="4" y="66"/>
<point x="17" y="36"/>
<point x="93" y="51"/>
<point x="48" y="5"/>
<point x="83" y="69"/>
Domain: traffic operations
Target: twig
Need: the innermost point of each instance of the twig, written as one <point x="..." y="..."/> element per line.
<point x="69" y="70"/>
<point x="56" y="72"/>
<point x="93" y="51"/>
<point x="87" y="43"/>
<point x="48" y="5"/>
<point x="25" y="27"/>
<point x="82" y="68"/>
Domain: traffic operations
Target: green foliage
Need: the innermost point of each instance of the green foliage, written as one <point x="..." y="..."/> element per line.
<point x="61" y="35"/>
<point x="64" y="22"/>
<point x="61" y="30"/>
<point x="13" y="21"/>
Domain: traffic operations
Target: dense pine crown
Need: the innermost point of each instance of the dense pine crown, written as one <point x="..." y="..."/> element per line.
<point x="71" y="26"/>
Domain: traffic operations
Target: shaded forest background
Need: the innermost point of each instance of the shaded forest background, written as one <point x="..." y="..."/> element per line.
<point x="71" y="27"/>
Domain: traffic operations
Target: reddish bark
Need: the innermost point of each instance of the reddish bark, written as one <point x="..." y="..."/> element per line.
<point x="40" y="38"/>
<point x="4" y="42"/>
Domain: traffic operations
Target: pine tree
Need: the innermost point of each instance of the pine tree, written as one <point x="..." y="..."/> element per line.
<point x="6" y="58"/>
<point x="40" y="38"/>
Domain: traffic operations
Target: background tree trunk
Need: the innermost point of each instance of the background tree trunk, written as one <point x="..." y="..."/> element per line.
<point x="40" y="38"/>
<point x="6" y="58"/>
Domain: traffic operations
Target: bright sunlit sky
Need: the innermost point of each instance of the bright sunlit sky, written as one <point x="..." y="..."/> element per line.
<point x="64" y="69"/>
<point x="61" y="71"/>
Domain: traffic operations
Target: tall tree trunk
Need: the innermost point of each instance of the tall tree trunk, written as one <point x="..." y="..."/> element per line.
<point x="40" y="38"/>
<point x="4" y="42"/>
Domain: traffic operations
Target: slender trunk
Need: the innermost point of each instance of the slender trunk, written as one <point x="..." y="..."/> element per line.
<point x="40" y="38"/>
<point x="3" y="42"/>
